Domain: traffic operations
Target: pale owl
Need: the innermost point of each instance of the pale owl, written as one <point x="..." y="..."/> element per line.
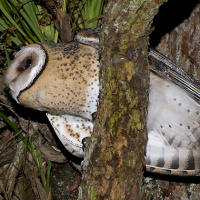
<point x="62" y="79"/>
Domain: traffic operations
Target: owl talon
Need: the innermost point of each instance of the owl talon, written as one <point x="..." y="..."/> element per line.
<point x="94" y="115"/>
<point x="85" y="142"/>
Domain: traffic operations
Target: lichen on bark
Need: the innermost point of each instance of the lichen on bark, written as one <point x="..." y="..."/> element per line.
<point x="114" y="162"/>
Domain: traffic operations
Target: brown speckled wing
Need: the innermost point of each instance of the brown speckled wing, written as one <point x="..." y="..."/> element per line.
<point x="71" y="130"/>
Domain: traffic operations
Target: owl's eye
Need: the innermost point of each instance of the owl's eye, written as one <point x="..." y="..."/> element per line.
<point x="25" y="65"/>
<point x="28" y="63"/>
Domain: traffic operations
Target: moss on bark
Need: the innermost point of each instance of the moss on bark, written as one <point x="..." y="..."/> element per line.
<point x="115" y="159"/>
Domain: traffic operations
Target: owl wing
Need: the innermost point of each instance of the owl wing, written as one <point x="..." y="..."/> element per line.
<point x="89" y="37"/>
<point x="173" y="120"/>
<point x="169" y="70"/>
<point x="71" y="130"/>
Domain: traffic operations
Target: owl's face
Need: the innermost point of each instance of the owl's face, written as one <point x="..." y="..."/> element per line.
<point x="25" y="68"/>
<point x="57" y="78"/>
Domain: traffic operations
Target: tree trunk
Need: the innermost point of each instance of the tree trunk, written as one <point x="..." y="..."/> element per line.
<point x="114" y="162"/>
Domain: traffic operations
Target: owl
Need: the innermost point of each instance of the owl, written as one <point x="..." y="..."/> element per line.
<point x="62" y="80"/>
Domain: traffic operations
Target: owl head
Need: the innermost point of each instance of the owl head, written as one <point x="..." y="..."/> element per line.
<point x="56" y="78"/>
<point x="25" y="68"/>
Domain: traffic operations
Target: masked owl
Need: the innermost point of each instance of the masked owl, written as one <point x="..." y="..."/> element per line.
<point x="62" y="80"/>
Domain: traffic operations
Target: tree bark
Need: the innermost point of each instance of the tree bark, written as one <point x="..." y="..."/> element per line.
<point x="182" y="44"/>
<point x="114" y="162"/>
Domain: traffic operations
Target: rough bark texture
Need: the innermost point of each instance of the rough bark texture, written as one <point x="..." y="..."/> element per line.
<point x="115" y="157"/>
<point x="182" y="44"/>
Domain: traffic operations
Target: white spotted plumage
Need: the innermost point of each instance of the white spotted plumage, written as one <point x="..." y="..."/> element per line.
<point x="71" y="130"/>
<point x="173" y="124"/>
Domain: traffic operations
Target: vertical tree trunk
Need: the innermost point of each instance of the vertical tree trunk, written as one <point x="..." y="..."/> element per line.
<point x="115" y="158"/>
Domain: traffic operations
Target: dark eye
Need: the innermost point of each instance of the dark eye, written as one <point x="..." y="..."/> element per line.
<point x="28" y="63"/>
<point x="24" y="65"/>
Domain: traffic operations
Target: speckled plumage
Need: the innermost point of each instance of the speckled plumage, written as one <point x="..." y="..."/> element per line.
<point x="71" y="130"/>
<point x="62" y="80"/>
<point x="173" y="124"/>
<point x="65" y="84"/>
